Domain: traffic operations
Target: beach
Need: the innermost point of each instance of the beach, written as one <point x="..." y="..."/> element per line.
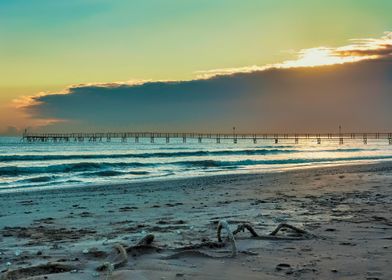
<point x="196" y="140"/>
<point x="66" y="233"/>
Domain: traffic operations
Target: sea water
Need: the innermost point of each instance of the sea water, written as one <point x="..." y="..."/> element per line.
<point x="24" y="166"/>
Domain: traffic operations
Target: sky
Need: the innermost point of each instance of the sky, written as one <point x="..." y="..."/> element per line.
<point x="125" y="58"/>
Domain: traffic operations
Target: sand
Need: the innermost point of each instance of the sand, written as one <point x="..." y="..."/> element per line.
<point x="67" y="233"/>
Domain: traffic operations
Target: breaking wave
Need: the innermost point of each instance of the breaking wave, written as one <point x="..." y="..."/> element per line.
<point x="107" y="169"/>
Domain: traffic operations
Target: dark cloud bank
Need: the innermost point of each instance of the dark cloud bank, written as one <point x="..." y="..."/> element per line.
<point x="356" y="95"/>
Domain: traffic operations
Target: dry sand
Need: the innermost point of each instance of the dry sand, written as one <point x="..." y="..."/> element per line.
<point x="347" y="208"/>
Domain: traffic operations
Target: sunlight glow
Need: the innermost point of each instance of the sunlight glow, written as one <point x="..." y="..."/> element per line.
<point x="358" y="50"/>
<point x="320" y="56"/>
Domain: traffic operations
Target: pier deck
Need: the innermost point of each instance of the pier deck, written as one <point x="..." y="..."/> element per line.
<point x="152" y="136"/>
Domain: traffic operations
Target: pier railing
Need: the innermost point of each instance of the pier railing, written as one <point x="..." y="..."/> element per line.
<point x="152" y="136"/>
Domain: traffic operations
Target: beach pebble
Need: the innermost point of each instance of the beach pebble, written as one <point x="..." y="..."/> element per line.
<point x="85" y="251"/>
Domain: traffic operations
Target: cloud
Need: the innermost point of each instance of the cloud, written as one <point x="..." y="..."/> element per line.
<point x="354" y="90"/>
<point x="30" y="100"/>
<point x="375" y="48"/>
<point x="206" y="74"/>
<point x="360" y="49"/>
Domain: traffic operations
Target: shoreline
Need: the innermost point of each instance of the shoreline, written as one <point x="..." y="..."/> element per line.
<point x="238" y="176"/>
<point x="345" y="207"/>
<point x="245" y="174"/>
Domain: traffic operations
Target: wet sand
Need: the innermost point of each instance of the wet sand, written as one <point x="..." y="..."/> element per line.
<point x="67" y="233"/>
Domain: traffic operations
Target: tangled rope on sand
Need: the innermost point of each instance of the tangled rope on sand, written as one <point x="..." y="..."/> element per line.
<point x="303" y="234"/>
<point x="145" y="245"/>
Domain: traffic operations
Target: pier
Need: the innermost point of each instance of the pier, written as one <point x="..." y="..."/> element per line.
<point x="234" y="137"/>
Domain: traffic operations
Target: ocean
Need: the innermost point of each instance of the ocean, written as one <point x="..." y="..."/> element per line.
<point x="25" y="166"/>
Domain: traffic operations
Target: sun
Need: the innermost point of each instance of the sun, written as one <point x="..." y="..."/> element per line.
<point x="318" y="57"/>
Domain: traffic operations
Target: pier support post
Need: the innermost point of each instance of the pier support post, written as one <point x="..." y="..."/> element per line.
<point x="341" y="140"/>
<point x="218" y="139"/>
<point x="137" y="139"/>
<point x="340" y="135"/>
<point x="184" y="139"/>
<point x="167" y="139"/>
<point x="152" y="138"/>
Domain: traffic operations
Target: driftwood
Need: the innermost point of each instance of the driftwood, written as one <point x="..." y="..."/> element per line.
<point x="284" y="225"/>
<point x="119" y="260"/>
<point x="191" y="250"/>
<point x="273" y="234"/>
<point x="146" y="240"/>
<point x="223" y="224"/>
<point x="244" y="226"/>
<point x="145" y="244"/>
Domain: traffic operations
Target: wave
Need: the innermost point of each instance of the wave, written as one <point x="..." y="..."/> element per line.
<point x="105" y="173"/>
<point x="107" y="169"/>
<point x="67" y="168"/>
<point x="8" y="158"/>
<point x="264" y="151"/>
<point x="248" y="162"/>
<point x="112" y="173"/>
